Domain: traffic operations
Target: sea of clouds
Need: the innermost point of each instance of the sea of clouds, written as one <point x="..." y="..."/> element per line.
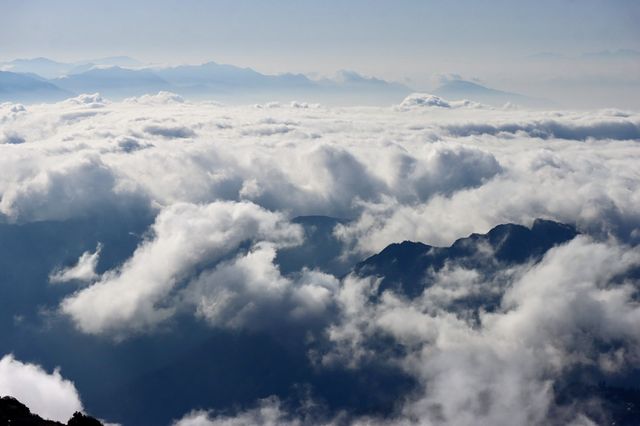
<point x="223" y="183"/>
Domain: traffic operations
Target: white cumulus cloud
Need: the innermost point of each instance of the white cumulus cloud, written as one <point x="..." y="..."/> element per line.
<point x="47" y="394"/>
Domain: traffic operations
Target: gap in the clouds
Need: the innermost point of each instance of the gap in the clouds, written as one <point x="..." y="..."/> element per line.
<point x="607" y="398"/>
<point x="321" y="249"/>
<point x="149" y="379"/>
<point x="30" y="326"/>
<point x="29" y="252"/>
<point x="185" y="363"/>
<point x="215" y="368"/>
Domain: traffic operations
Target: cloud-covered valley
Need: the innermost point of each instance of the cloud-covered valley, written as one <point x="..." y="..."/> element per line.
<point x="185" y="246"/>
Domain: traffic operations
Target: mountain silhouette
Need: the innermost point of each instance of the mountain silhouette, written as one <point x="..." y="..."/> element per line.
<point x="13" y="412"/>
<point x="404" y="266"/>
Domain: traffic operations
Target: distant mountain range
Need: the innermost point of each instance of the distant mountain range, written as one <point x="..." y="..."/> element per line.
<point x="28" y="88"/>
<point x="114" y="82"/>
<point x="45" y="80"/>
<point x="48" y="68"/>
<point x="462" y="89"/>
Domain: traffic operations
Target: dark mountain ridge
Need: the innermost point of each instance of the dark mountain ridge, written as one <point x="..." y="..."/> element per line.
<point x="13" y="412"/>
<point x="404" y="266"/>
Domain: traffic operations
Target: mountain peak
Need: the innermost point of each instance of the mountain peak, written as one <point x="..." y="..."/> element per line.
<point x="404" y="266"/>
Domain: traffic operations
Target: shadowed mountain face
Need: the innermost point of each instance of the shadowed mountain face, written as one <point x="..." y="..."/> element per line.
<point x="405" y="266"/>
<point x="13" y="412"/>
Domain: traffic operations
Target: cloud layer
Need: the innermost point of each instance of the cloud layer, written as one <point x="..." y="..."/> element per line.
<point x="562" y="314"/>
<point x="394" y="170"/>
<point x="223" y="185"/>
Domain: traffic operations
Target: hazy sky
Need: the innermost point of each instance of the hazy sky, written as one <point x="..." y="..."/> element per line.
<point x="405" y="40"/>
<point x="315" y="35"/>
